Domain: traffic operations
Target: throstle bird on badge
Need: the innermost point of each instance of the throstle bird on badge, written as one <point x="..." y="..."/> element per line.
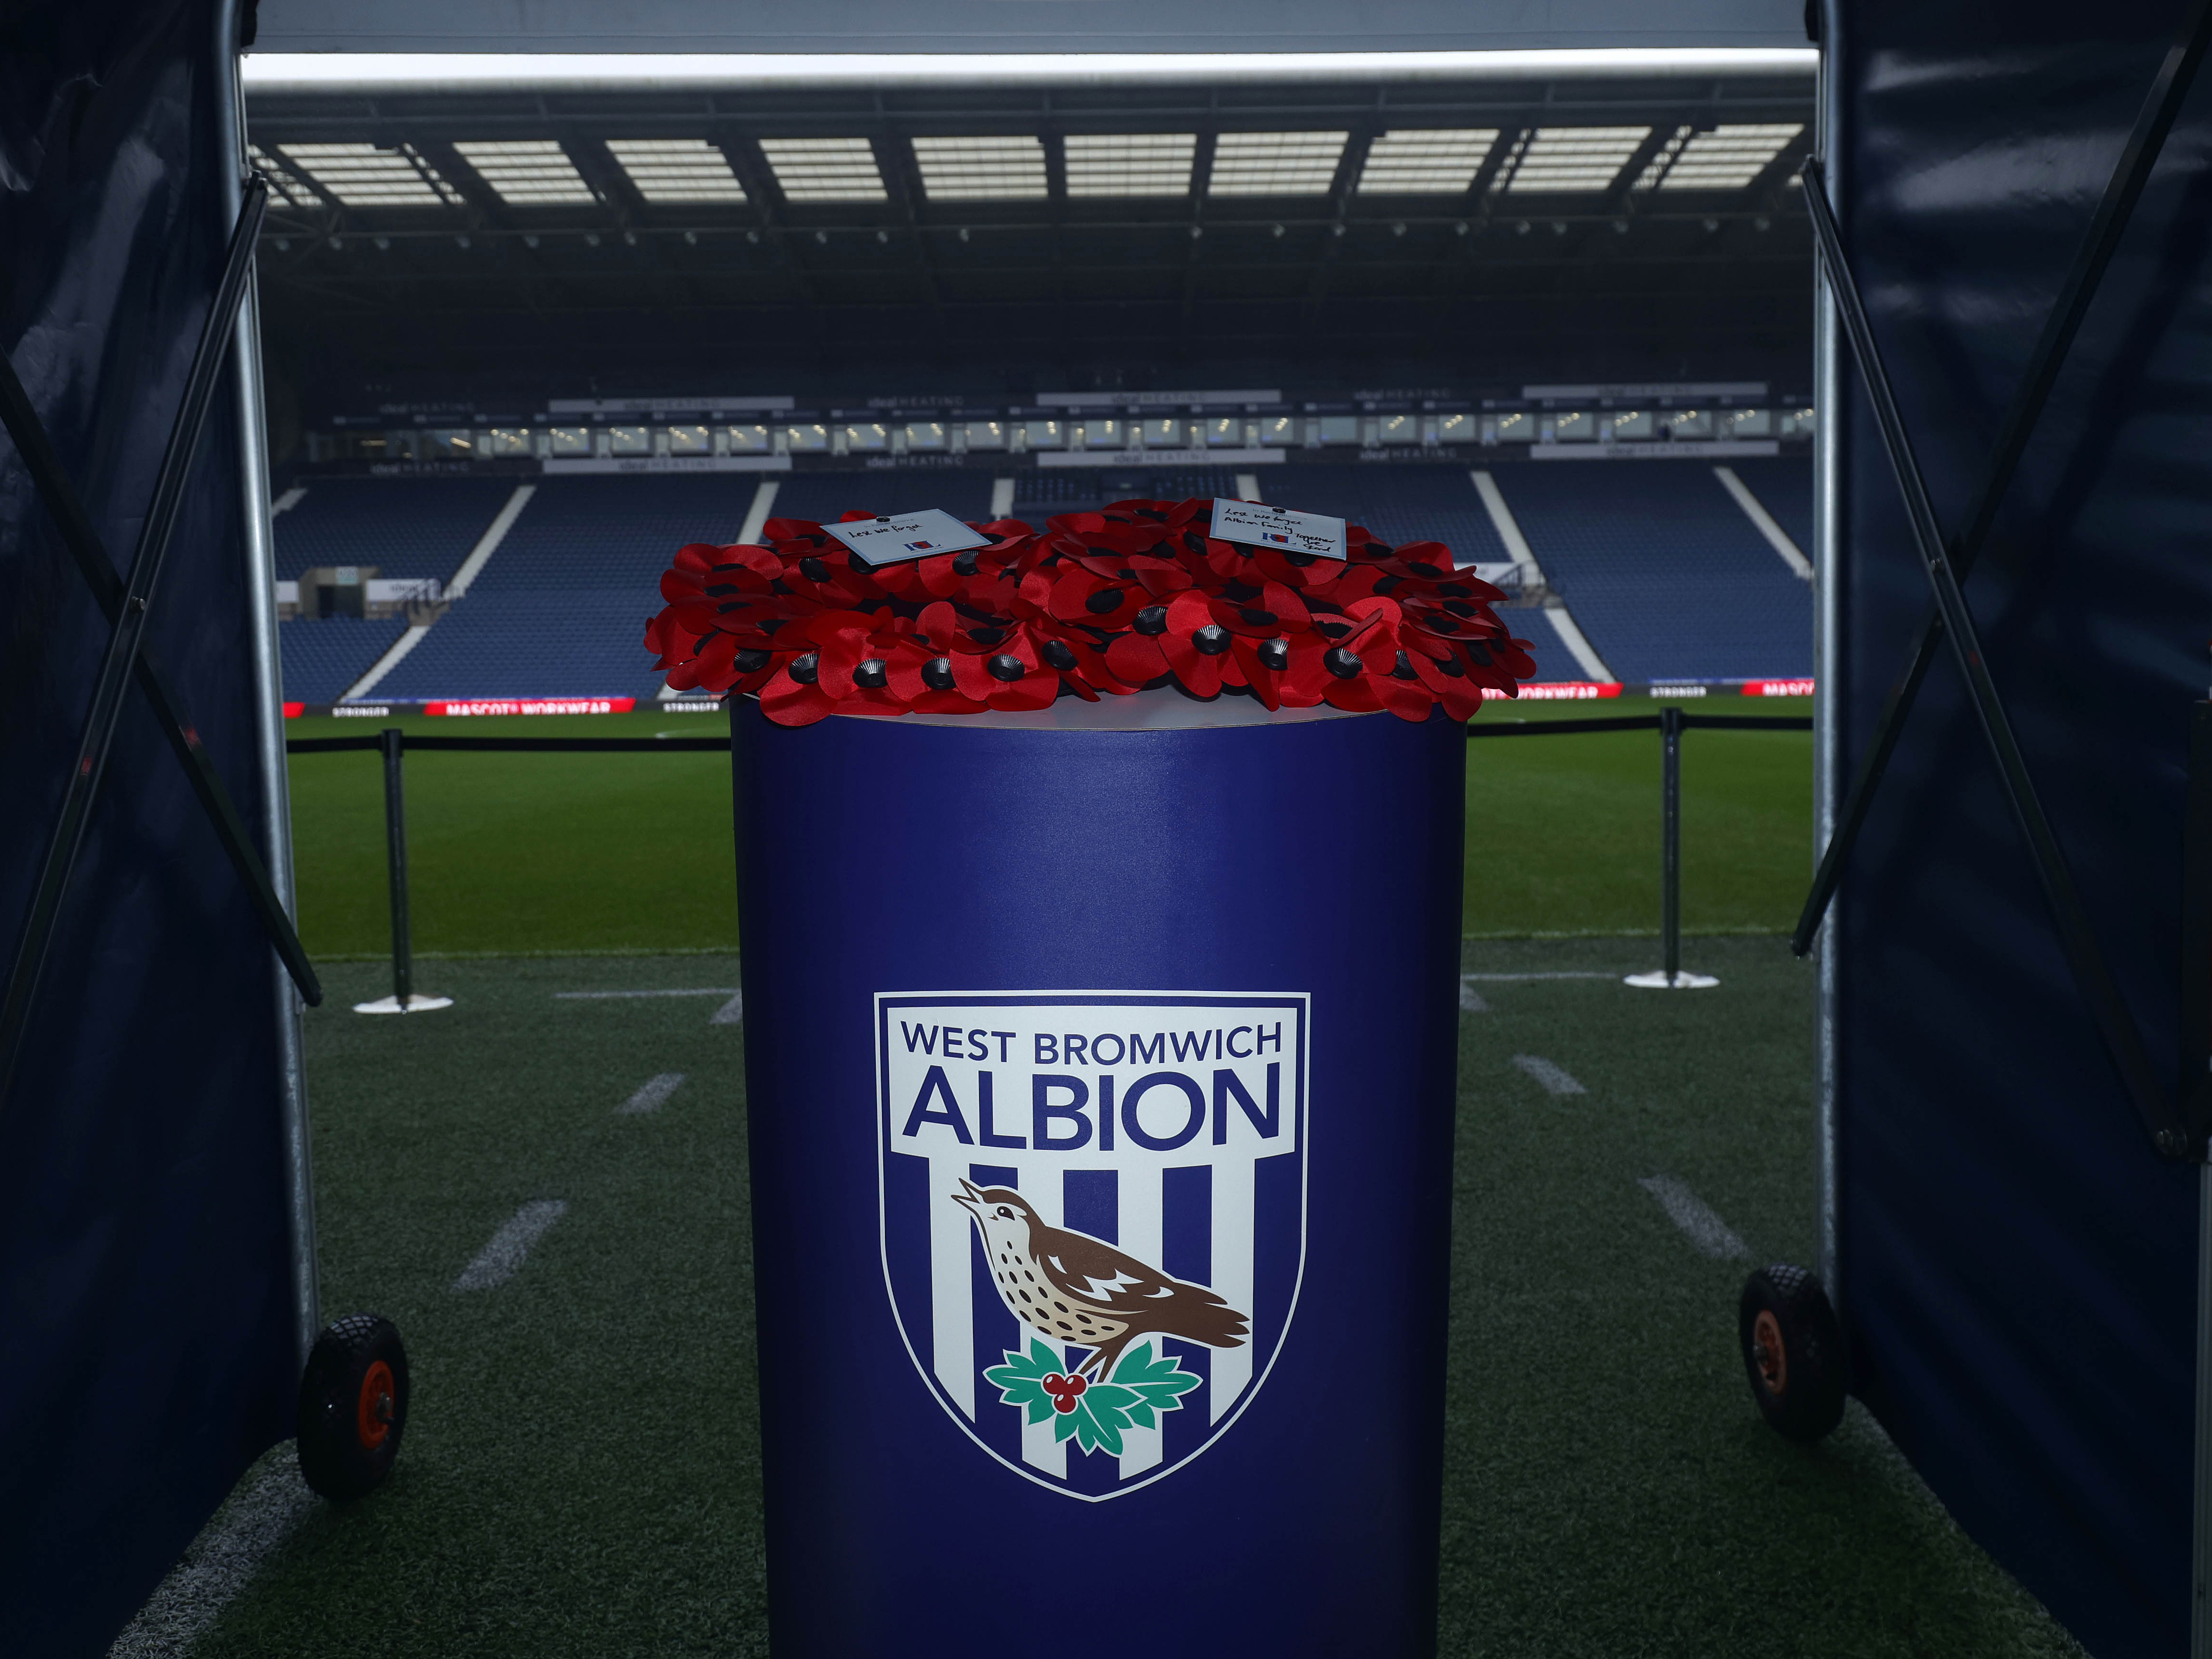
<point x="1071" y="1288"/>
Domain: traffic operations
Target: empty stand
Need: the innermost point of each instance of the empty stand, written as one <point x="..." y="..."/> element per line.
<point x="322" y="659"/>
<point x="402" y="526"/>
<point x="1398" y="503"/>
<point x="1666" y="575"/>
<point x="561" y="608"/>
<point x="1783" y="485"/>
<point x="1048" y="494"/>
<point x="963" y="492"/>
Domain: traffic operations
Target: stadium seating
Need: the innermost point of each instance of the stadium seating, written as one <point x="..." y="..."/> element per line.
<point x="402" y="526"/>
<point x="322" y="659"/>
<point x="1783" y="485"/>
<point x="963" y="492"/>
<point x="561" y="608"/>
<point x="1398" y="503"/>
<point x="1666" y="575"/>
<point x="1046" y="494"/>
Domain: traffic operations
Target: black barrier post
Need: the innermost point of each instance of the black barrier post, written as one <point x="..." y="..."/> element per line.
<point x="1670" y="839"/>
<point x="395" y="843"/>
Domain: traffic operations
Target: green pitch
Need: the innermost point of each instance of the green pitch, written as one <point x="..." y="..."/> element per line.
<point x="575" y="853"/>
<point x="581" y="1473"/>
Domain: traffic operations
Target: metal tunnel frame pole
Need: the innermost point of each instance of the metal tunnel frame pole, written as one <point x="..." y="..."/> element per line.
<point x="395" y="843"/>
<point x="1670" y="840"/>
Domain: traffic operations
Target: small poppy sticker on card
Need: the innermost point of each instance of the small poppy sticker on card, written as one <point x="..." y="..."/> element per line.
<point x="907" y="536"/>
<point x="1313" y="534"/>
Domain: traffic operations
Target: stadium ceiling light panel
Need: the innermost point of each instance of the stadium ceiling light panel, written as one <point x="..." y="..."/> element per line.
<point x="1274" y="163"/>
<point x="1727" y="158"/>
<point x="825" y="169"/>
<point x="668" y="171"/>
<point x="1560" y="161"/>
<point x="1426" y="162"/>
<point x="285" y="185"/>
<point x="363" y="176"/>
<point x="1002" y="169"/>
<point x="416" y="73"/>
<point x="1130" y="163"/>
<point x="527" y="171"/>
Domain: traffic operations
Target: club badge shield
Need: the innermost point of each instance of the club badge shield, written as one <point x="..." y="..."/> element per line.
<point x="1093" y="1207"/>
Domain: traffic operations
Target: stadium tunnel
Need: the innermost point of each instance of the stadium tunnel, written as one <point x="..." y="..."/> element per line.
<point x="531" y="308"/>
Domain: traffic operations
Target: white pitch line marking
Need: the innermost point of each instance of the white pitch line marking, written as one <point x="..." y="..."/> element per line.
<point x="498" y="1261"/>
<point x="653" y="1094"/>
<point x="1699" y="1224"/>
<point x="1470" y="1000"/>
<point x="218" y="1564"/>
<point x="607" y="996"/>
<point x="1554" y="1078"/>
<point x="1502" y="978"/>
<point x="732" y="1012"/>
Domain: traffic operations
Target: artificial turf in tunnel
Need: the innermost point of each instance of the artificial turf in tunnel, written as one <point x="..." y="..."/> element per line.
<point x="580" y="1474"/>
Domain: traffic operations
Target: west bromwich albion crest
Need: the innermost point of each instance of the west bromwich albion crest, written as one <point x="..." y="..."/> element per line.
<point x="1093" y="1209"/>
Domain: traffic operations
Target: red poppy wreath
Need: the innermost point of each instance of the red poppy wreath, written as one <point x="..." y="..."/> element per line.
<point x="1108" y="602"/>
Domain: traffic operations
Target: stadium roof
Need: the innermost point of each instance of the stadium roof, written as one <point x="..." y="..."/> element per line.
<point x="1544" y="207"/>
<point x="1002" y="27"/>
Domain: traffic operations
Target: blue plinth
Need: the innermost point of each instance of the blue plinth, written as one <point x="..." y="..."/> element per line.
<point x="1101" y="1086"/>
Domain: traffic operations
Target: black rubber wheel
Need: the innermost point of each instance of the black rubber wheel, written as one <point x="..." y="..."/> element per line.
<point x="1793" y="1352"/>
<point x="352" y="1407"/>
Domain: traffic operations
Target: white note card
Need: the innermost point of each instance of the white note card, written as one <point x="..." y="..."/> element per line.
<point x="906" y="536"/>
<point x="1314" y="533"/>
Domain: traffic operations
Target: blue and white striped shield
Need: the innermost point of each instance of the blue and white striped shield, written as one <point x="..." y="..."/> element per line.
<point x="1093" y="1209"/>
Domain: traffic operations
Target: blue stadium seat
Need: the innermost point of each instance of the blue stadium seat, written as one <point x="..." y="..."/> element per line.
<point x="402" y="526"/>
<point x="321" y="659"/>
<point x="613" y="533"/>
<point x="1664" y="573"/>
<point x="1049" y="493"/>
<point x="1783" y="485"/>
<point x="825" y="496"/>
<point x="554" y="642"/>
<point x="1400" y="504"/>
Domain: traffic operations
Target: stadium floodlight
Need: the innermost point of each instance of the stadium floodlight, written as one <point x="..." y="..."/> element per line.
<point x="825" y="169"/>
<point x="1557" y="161"/>
<point x="364" y="176"/>
<point x="671" y="171"/>
<point x="285" y="186"/>
<point x="527" y="171"/>
<point x="1275" y="163"/>
<point x="1426" y="162"/>
<point x="983" y="169"/>
<point x="352" y="73"/>
<point x="1130" y="163"/>
<point x="1728" y="158"/>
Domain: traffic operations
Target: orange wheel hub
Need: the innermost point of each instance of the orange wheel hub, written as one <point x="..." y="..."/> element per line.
<point x="1768" y="1353"/>
<point x="372" y="1417"/>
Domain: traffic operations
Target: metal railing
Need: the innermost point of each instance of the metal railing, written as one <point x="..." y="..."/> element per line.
<point x="393" y="743"/>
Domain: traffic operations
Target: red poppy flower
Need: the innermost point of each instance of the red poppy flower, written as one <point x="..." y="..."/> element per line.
<point x="1113" y="601"/>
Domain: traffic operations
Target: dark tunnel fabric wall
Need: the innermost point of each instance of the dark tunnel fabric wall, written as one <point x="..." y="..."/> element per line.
<point x="146" y="1308"/>
<point x="2017" y="1266"/>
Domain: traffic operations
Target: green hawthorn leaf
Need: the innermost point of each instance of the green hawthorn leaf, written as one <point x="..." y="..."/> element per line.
<point x="1020" y="1380"/>
<point x="1157" y="1382"/>
<point x="1095" y="1430"/>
